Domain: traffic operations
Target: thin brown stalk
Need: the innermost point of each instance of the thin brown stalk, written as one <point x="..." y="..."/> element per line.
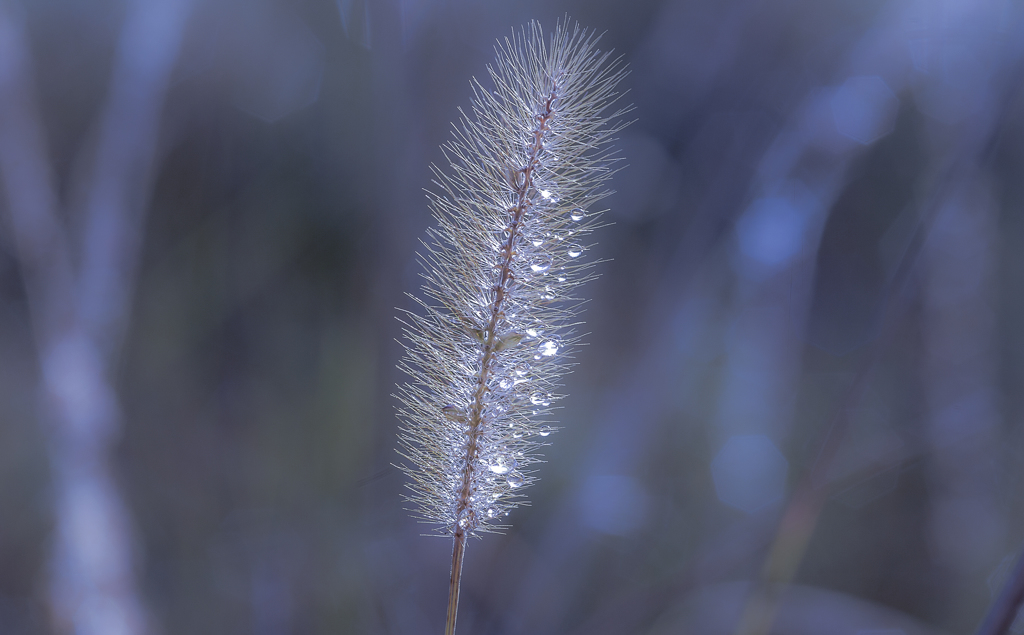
<point x="458" y="556"/>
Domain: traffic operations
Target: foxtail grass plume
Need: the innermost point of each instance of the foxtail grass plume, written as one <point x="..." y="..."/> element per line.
<point x="497" y="320"/>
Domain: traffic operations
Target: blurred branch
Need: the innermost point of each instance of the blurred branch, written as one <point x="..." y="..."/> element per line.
<point x="40" y="242"/>
<point x="77" y="322"/>
<point x="123" y="166"/>
<point x="1006" y="607"/>
<point x="804" y="507"/>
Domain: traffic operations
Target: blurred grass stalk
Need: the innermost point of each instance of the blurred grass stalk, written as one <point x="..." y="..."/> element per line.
<point x="79" y="313"/>
<point x="955" y="174"/>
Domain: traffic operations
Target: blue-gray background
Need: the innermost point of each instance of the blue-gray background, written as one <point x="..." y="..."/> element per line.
<point x="764" y="279"/>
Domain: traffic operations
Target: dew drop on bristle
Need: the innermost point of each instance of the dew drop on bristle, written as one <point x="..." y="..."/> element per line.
<point x="515" y="480"/>
<point x="541" y="264"/>
<point x="578" y="214"/>
<point x="502" y="464"/>
<point x="575" y="251"/>
<point x="540" y="399"/>
<point x="547" y="348"/>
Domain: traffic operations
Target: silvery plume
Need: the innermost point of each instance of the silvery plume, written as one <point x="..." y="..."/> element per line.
<point x="496" y="323"/>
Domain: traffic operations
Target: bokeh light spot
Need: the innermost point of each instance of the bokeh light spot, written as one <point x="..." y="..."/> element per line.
<point x="864" y="108"/>
<point x="771" y="231"/>
<point x="749" y="472"/>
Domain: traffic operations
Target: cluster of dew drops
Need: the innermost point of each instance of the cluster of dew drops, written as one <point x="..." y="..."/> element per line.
<point x="499" y="463"/>
<point x="534" y="273"/>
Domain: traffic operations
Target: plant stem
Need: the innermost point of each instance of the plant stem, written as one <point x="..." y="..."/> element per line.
<point x="500" y="290"/>
<point x="458" y="555"/>
<point x="1004" y="610"/>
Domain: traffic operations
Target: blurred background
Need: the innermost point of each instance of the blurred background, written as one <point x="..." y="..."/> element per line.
<point x="798" y="412"/>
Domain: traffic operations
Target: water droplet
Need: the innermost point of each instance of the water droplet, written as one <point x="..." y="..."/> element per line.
<point x="502" y="464"/>
<point x="547" y="348"/>
<point x="532" y="333"/>
<point x="544" y="433"/>
<point x="561" y="278"/>
<point x="505" y="383"/>
<point x="575" y="251"/>
<point x="522" y="369"/>
<point x="515" y="480"/>
<point x="491" y="512"/>
<point x="548" y="196"/>
<point x="466" y="519"/>
<point x="540" y="399"/>
<point x="541" y="264"/>
<point x="578" y="214"/>
<point x="493" y="497"/>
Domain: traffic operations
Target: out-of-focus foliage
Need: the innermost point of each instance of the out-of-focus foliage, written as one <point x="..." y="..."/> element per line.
<point x="765" y="255"/>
